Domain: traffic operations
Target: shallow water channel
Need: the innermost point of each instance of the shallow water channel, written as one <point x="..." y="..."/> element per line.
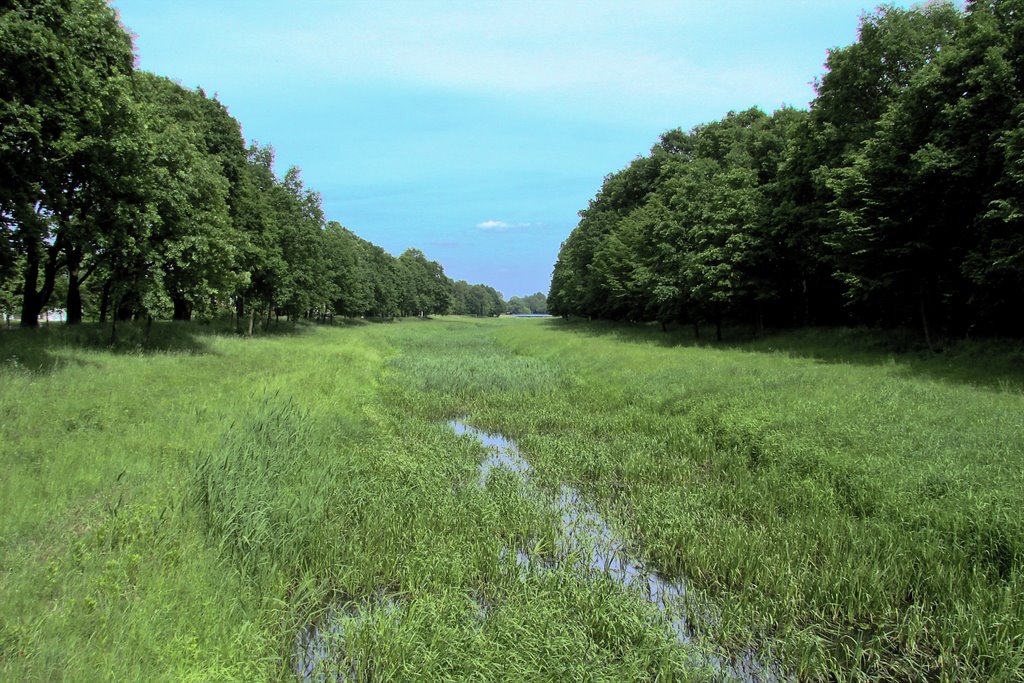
<point x="587" y="545"/>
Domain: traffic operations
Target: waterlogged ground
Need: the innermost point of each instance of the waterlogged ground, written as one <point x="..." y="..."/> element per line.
<point x="507" y="500"/>
<point x="586" y="546"/>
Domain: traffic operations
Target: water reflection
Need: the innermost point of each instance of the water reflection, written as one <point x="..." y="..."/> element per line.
<point x="320" y="653"/>
<point x="502" y="453"/>
<point x="589" y="545"/>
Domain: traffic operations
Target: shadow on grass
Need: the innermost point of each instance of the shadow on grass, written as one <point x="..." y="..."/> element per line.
<point x="43" y="349"/>
<point x="990" y="363"/>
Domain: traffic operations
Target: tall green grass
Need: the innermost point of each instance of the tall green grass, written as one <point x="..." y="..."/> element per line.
<point x="197" y="511"/>
<point x="387" y="528"/>
<point x="861" y="516"/>
<point x="186" y="505"/>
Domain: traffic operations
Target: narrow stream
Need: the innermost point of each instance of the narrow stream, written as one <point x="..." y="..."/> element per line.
<point x="590" y="545"/>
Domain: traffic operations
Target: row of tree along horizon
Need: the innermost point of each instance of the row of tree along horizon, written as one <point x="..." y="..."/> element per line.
<point x="897" y="199"/>
<point x="127" y="195"/>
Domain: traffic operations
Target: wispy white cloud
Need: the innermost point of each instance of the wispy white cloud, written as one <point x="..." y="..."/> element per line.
<point x="550" y="51"/>
<point x="597" y="58"/>
<point x="493" y="225"/>
<point x="500" y="226"/>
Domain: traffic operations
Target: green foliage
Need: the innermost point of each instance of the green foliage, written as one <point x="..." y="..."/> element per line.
<point x="124" y="193"/>
<point x="478" y="300"/>
<point x="194" y="239"/>
<point x="892" y="201"/>
<point x="533" y="304"/>
<point x="69" y="151"/>
<point x="692" y="245"/>
<point x="427" y="290"/>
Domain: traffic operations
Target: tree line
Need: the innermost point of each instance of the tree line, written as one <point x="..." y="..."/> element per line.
<point x="897" y="199"/>
<point x="532" y="304"/>
<point x="124" y="194"/>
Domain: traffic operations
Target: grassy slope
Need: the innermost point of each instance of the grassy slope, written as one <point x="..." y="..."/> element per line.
<point x="178" y="515"/>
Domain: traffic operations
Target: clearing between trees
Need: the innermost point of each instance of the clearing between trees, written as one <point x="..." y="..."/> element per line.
<point x="821" y="504"/>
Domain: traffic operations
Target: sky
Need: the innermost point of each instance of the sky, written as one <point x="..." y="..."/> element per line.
<point x="476" y="131"/>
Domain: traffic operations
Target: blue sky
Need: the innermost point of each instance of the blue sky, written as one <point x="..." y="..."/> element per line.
<point x="476" y="131"/>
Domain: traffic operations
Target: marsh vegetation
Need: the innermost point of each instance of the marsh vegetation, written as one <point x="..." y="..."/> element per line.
<point x="225" y="508"/>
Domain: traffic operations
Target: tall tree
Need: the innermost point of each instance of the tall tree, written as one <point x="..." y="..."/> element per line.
<point x="70" y="137"/>
<point x="194" y="239"/>
<point x="348" y="270"/>
<point x="884" y="247"/>
<point x="263" y="266"/>
<point x="426" y="288"/>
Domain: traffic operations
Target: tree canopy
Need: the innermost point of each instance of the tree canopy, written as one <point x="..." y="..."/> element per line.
<point x="124" y="194"/>
<point x="534" y="304"/>
<point x="894" y="200"/>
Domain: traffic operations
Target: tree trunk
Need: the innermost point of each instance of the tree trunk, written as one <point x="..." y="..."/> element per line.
<point x="113" y="325"/>
<point x="252" y="318"/>
<point x="718" y="328"/>
<point x="74" y="303"/>
<point x="924" y="320"/>
<point x="104" y="301"/>
<point x="182" y="309"/>
<point x="29" y="304"/>
<point x="34" y="301"/>
<point x="74" y="298"/>
<point x="124" y="310"/>
<point x="696" y="330"/>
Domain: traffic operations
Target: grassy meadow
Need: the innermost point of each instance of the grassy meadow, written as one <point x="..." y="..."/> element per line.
<point x="185" y="505"/>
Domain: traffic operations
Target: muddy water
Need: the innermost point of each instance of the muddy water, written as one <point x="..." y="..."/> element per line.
<point x="589" y="545"/>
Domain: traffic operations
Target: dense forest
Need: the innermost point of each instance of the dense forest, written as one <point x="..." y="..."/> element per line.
<point x="896" y="200"/>
<point x="125" y="195"/>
